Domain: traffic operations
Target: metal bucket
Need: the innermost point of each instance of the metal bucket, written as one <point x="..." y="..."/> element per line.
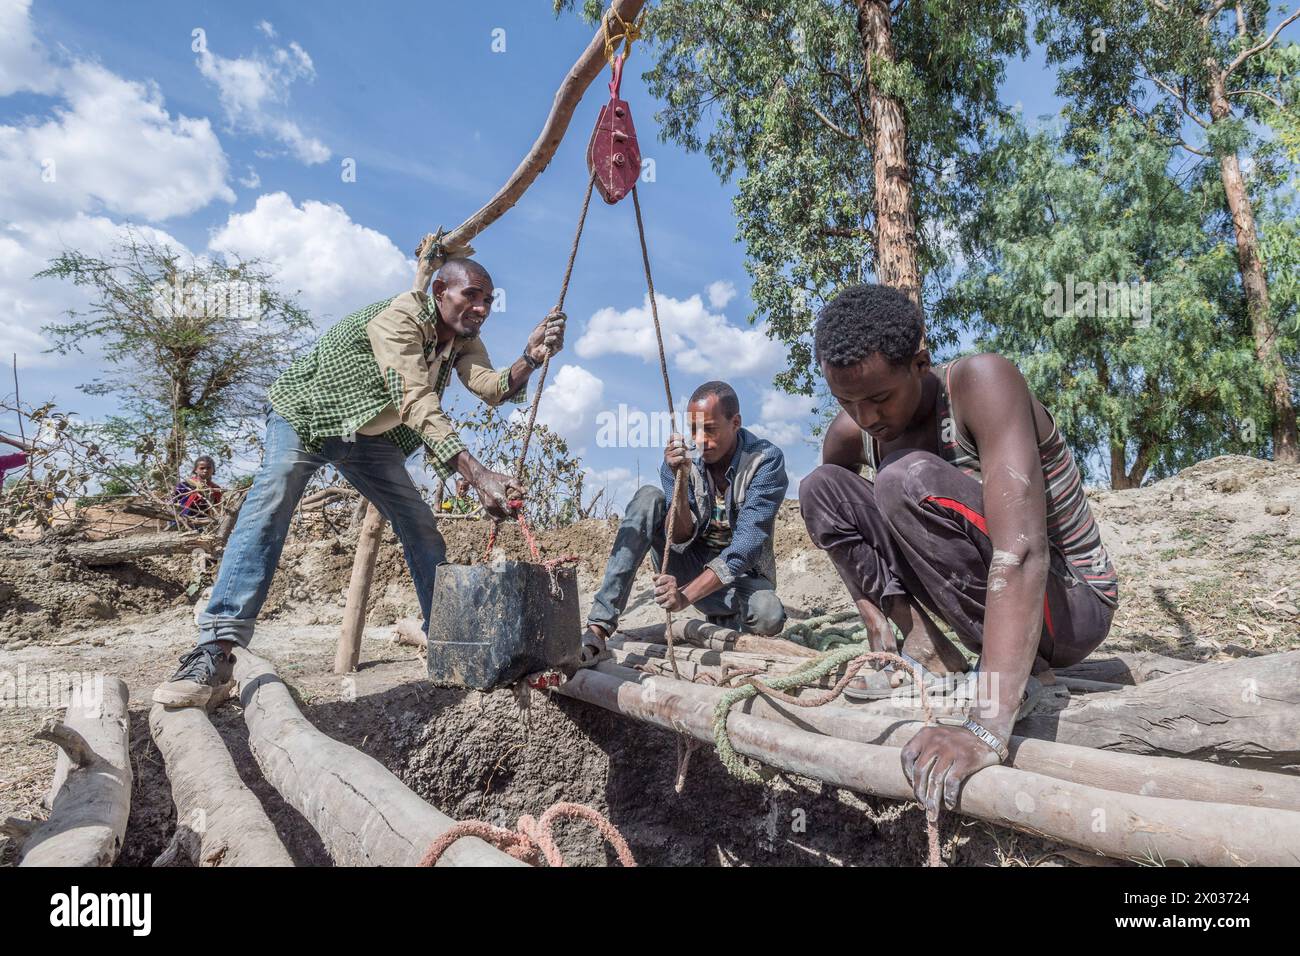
<point x="490" y="625"/>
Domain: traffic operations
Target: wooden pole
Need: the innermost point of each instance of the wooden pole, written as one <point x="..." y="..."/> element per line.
<point x="90" y="798"/>
<point x="218" y="820"/>
<point x="567" y="97"/>
<point x="348" y="654"/>
<point x="1171" y="777"/>
<point x="1120" y="825"/>
<point x="365" y="816"/>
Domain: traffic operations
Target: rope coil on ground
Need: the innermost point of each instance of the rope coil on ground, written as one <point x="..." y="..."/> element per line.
<point x="532" y="841"/>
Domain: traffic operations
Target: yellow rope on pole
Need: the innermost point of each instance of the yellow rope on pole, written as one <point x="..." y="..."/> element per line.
<point x="628" y="33"/>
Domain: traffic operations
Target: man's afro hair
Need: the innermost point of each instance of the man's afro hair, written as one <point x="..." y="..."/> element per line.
<point x="864" y="319"/>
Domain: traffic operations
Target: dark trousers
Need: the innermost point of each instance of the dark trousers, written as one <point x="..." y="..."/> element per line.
<point x="920" y="532"/>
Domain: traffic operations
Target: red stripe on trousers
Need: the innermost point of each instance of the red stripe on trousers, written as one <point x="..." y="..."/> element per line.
<point x="977" y="519"/>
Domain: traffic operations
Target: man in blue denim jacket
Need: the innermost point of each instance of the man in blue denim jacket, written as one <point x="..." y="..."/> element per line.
<point x="721" y="559"/>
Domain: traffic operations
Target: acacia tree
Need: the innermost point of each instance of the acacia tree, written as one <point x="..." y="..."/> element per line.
<point x="852" y="126"/>
<point x="191" y="345"/>
<point x="1198" y="69"/>
<point x="1149" y="383"/>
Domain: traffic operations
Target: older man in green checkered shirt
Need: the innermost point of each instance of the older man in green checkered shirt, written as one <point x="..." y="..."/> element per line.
<point x="364" y="398"/>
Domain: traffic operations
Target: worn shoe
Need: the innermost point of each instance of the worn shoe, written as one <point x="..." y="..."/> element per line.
<point x="204" y="672"/>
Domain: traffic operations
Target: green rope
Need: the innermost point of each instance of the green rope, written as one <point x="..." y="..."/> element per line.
<point x="803" y="676"/>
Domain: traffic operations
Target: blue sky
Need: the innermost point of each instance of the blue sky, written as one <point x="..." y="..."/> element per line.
<point x="241" y="147"/>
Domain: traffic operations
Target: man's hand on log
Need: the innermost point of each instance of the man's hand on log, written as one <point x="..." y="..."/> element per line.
<point x="548" y="338"/>
<point x="938" y="760"/>
<point x="667" y="595"/>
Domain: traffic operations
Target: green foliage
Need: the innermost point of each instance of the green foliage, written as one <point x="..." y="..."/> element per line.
<point x="190" y="348"/>
<point x="1162" y="394"/>
<point x="775" y="94"/>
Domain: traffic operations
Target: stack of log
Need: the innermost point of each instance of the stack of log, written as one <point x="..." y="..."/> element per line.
<point x="1183" y="763"/>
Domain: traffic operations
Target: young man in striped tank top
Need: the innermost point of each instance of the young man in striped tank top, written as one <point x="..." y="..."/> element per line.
<point x="948" y="491"/>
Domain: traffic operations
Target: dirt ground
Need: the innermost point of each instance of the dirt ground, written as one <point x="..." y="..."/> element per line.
<point x="1207" y="565"/>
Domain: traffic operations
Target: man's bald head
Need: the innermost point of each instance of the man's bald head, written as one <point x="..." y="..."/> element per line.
<point x="460" y="271"/>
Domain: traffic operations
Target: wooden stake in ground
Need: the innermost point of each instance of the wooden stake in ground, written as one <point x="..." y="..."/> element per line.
<point x="365" y="816"/>
<point x="218" y="820"/>
<point x="348" y="654"/>
<point x="91" y="793"/>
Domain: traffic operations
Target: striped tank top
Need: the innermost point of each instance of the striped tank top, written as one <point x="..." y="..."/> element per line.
<point x="1071" y="528"/>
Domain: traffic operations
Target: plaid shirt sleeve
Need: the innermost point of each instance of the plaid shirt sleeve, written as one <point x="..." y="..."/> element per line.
<point x="755" y="520"/>
<point x="398" y="343"/>
<point x="488" y="383"/>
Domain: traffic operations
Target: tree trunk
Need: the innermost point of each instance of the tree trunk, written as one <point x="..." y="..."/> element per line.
<point x="218" y="820"/>
<point x="365" y="816"/>
<point x="1254" y="280"/>
<point x="122" y="550"/>
<point x="90" y="798"/>
<point x="896" y="253"/>
<point x="1134" y="827"/>
<point x="1126" y="773"/>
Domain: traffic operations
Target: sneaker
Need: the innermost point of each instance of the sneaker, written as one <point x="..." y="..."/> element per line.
<point x="204" y="672"/>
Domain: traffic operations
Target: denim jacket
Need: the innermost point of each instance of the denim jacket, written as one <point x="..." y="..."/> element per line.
<point x="756" y="486"/>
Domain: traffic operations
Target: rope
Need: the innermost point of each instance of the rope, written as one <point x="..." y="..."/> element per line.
<point x="852" y="657"/>
<point x="679" y="482"/>
<point x="531" y="838"/>
<point x="559" y="307"/>
<point x="628" y="33"/>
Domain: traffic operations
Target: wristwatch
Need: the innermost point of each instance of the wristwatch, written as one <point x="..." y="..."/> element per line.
<point x="532" y="362"/>
<point x="990" y="738"/>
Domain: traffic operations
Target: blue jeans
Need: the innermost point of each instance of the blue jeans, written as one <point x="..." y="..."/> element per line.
<point x="372" y="464"/>
<point x="749" y="603"/>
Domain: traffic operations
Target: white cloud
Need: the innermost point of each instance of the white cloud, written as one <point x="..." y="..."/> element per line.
<point x="252" y="180"/>
<point x="785" y="420"/>
<point x="23" y="65"/>
<point x="267" y="30"/>
<point x="568" y="400"/>
<point x="720" y="293"/>
<point x="254" y="92"/>
<point x="28" y="304"/>
<point x="619" y="485"/>
<point x="696" y="340"/>
<point x="338" y="265"/>
<point x="111" y="144"/>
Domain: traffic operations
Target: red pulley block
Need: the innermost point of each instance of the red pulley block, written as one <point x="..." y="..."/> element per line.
<point x="613" y="154"/>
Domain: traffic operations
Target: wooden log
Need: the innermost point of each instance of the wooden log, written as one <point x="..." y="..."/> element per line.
<point x="703" y="634"/>
<point x="567" y="97"/>
<point x="410" y="632"/>
<point x="123" y="550"/>
<point x="643" y="651"/>
<point x="90" y="798"/>
<point x="365" y="816"/>
<point x="1120" y="667"/>
<point x="1244" y="712"/>
<point x="1120" y="825"/>
<point x="348" y="654"/>
<point x="1169" y="777"/>
<point x="218" y="820"/>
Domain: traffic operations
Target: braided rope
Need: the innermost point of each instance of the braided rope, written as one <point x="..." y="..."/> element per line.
<point x="852" y="657"/>
<point x="532" y="838"/>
